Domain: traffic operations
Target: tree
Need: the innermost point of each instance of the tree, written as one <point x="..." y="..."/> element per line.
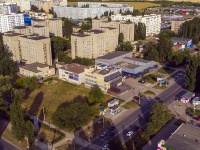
<point x="18" y="95"/>
<point x="5" y="87"/>
<point x="120" y="38"/>
<point x="95" y="95"/>
<point x="86" y="26"/>
<point x="63" y="57"/>
<point x="140" y="31"/>
<point x="126" y="46"/>
<point x="17" y="120"/>
<point x="58" y="44"/>
<point x="150" y="52"/>
<point x="74" y="116"/>
<point x="29" y="131"/>
<point x="67" y="28"/>
<point x="3" y="108"/>
<point x="84" y="61"/>
<point x="28" y="83"/>
<point x="195" y="39"/>
<point x="34" y="8"/>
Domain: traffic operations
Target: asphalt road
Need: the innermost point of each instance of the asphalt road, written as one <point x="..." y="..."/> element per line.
<point x="138" y="117"/>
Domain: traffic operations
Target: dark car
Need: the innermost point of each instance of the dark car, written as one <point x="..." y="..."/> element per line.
<point x="141" y="81"/>
<point x="157" y="98"/>
<point x="104" y="134"/>
<point x="111" y="129"/>
<point x="136" y="128"/>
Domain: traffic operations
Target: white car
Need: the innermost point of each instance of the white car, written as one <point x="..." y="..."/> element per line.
<point x="105" y="147"/>
<point x="129" y="133"/>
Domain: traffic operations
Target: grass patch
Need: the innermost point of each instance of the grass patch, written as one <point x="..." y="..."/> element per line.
<point x="157" y="86"/>
<point x="49" y="135"/>
<point x="148" y="92"/>
<point x="136" y="5"/>
<point x="130" y="105"/>
<point x="151" y="78"/>
<point x="121" y="101"/>
<point x="50" y="96"/>
<point x="7" y="134"/>
<point x="166" y="70"/>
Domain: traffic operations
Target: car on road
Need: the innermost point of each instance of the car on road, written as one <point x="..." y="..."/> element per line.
<point x="111" y="129"/>
<point x="147" y="101"/>
<point x="104" y="134"/>
<point x="180" y="74"/>
<point x="111" y="135"/>
<point x="197" y="118"/>
<point x="105" y="147"/>
<point x="157" y="98"/>
<point x="129" y="133"/>
<point x="141" y="81"/>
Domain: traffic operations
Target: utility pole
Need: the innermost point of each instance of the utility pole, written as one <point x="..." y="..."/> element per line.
<point x="43" y="113"/>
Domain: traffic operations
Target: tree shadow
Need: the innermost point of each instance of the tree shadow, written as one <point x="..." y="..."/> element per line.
<point x="34" y="108"/>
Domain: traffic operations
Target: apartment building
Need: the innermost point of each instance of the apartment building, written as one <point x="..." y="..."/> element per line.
<point x="73" y="73"/>
<point x="55" y="25"/>
<point x="94" y="9"/>
<point x="104" y="76"/>
<point x="177" y="24"/>
<point x="7" y="8"/>
<point x="127" y="28"/>
<point x="28" y="49"/>
<point x="94" y="43"/>
<point x="152" y="22"/>
<point x="37" y="69"/>
<point x="7" y="22"/>
<point x="23" y="5"/>
<point x="30" y="30"/>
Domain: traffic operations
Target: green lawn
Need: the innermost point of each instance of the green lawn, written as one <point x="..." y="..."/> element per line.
<point x="166" y="70"/>
<point x="53" y="95"/>
<point x="151" y="78"/>
<point x="157" y="86"/>
<point x="130" y="105"/>
<point x="148" y="92"/>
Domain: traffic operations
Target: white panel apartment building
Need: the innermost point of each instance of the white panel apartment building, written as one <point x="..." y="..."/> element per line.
<point x="94" y="9"/>
<point x="8" y="22"/>
<point x="152" y="22"/>
<point x="7" y="8"/>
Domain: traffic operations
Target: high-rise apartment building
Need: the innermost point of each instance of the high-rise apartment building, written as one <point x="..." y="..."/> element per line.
<point x="152" y="22"/>
<point x="28" y="49"/>
<point x="8" y="22"/>
<point x="176" y="24"/>
<point x="94" y="43"/>
<point x="55" y="25"/>
<point x="127" y="28"/>
<point x="30" y="30"/>
<point x="7" y="8"/>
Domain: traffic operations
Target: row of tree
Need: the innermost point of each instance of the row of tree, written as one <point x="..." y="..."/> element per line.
<point x="191" y="29"/>
<point x="159" y="116"/>
<point x="192" y="73"/>
<point x="80" y="111"/>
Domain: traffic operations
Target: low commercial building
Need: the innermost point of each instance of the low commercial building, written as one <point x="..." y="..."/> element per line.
<point x="152" y="22"/>
<point x="55" y="25"/>
<point x="36" y="69"/>
<point x="28" y="49"/>
<point x="196" y="101"/>
<point x="114" y="106"/>
<point x="130" y="66"/>
<point x="39" y="15"/>
<point x="94" y="43"/>
<point x="181" y="43"/>
<point x="127" y="28"/>
<point x="90" y="10"/>
<point x="185" y="137"/>
<point x="187" y="97"/>
<point x="104" y="76"/>
<point x="73" y="73"/>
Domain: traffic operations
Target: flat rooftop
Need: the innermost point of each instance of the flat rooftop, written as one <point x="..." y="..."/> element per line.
<point x="34" y="37"/>
<point x="75" y="68"/>
<point x="127" y="65"/>
<point x="33" y="67"/>
<point x="186" y="137"/>
<point x="137" y="59"/>
<point x="20" y="27"/>
<point x="114" y="55"/>
<point x="80" y="35"/>
<point x="95" y="31"/>
<point x="11" y="33"/>
<point x="105" y="71"/>
<point x="38" y="26"/>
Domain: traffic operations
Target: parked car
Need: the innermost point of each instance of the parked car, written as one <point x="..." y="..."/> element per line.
<point x="147" y="101"/>
<point x="141" y="81"/>
<point x="104" y="134"/>
<point x="197" y="118"/>
<point x="105" y="147"/>
<point x="136" y="128"/>
<point x="111" y="129"/>
<point x="129" y="133"/>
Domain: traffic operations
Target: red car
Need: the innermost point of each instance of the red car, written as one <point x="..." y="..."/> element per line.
<point x="197" y="118"/>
